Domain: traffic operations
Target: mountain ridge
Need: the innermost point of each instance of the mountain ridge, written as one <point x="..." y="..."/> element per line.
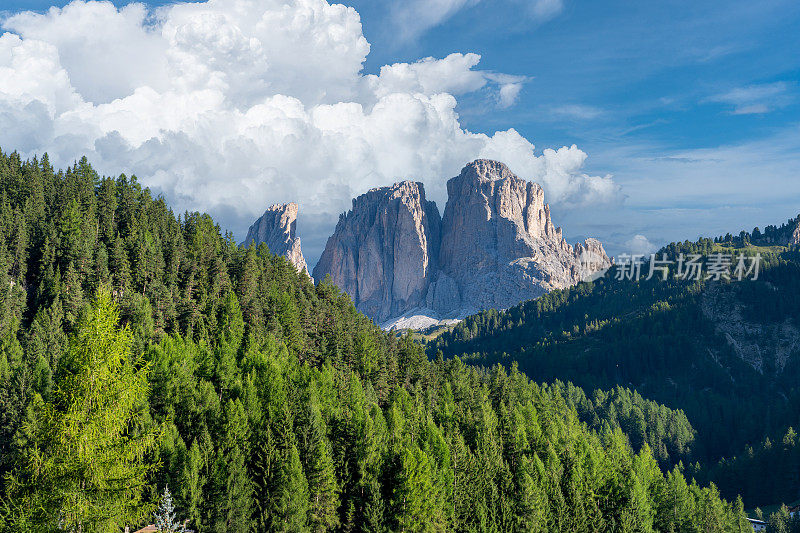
<point x="494" y="246"/>
<point x="725" y="352"/>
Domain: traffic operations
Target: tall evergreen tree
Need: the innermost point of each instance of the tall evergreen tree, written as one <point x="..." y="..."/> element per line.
<point x="322" y="485"/>
<point x="165" y="516"/>
<point x="86" y="467"/>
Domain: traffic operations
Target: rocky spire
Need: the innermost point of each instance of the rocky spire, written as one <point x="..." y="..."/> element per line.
<point x="499" y="245"/>
<point x="383" y="252"/>
<point x="277" y="228"/>
<point x="794" y="237"/>
<point x="495" y="247"/>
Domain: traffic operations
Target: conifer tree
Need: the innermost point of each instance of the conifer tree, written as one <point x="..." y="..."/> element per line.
<point x="230" y="501"/>
<point x="322" y="485"/>
<point x="417" y="494"/>
<point x="165" y="516"/>
<point x="290" y="512"/>
<point x="192" y="482"/>
<point x="86" y="469"/>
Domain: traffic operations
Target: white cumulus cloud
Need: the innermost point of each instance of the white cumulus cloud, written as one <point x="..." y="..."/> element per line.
<point x="452" y="74"/>
<point x="509" y="88"/>
<point x="228" y="106"/>
<point x="639" y="245"/>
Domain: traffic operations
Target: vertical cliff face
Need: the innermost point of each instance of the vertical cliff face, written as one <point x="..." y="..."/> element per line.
<point x="277" y="228"/>
<point x="794" y="237"/>
<point x="499" y="245"/>
<point x="496" y="246"/>
<point x="384" y="250"/>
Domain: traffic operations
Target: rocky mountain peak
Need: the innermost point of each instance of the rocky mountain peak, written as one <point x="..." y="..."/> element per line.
<point x="486" y="170"/>
<point x="499" y="244"/>
<point x="489" y="199"/>
<point x="277" y="228"/>
<point x="383" y="251"/>
<point x="495" y="246"/>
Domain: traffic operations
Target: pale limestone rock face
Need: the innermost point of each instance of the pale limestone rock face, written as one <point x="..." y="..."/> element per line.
<point x="384" y="250"/>
<point x="794" y="238"/>
<point x="277" y="228"/>
<point x="499" y="244"/>
<point x="495" y="247"/>
<point x="592" y="258"/>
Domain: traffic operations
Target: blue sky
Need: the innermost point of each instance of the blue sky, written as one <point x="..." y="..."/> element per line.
<point x="654" y="71"/>
<point x="649" y="81"/>
<point x="693" y="107"/>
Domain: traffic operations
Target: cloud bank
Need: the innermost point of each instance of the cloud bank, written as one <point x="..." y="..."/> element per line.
<point x="227" y="106"/>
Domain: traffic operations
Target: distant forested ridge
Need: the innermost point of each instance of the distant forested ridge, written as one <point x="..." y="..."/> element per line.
<point x="725" y="353"/>
<point x="787" y="233"/>
<point x="140" y="350"/>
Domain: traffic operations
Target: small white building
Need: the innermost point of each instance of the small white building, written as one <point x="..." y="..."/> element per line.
<point x="757" y="525"/>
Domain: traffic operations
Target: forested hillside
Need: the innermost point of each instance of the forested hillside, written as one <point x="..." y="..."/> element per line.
<point x="724" y="352"/>
<point x="140" y="350"/>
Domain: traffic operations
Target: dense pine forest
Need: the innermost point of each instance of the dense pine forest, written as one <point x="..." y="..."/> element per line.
<point x="724" y="353"/>
<point x="141" y="351"/>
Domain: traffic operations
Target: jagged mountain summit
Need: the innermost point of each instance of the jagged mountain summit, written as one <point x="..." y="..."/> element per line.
<point x="496" y="246"/>
<point x="499" y="244"/>
<point x="277" y="228"/>
<point x="384" y="251"/>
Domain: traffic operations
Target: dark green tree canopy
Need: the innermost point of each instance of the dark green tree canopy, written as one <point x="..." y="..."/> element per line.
<point x="277" y="406"/>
